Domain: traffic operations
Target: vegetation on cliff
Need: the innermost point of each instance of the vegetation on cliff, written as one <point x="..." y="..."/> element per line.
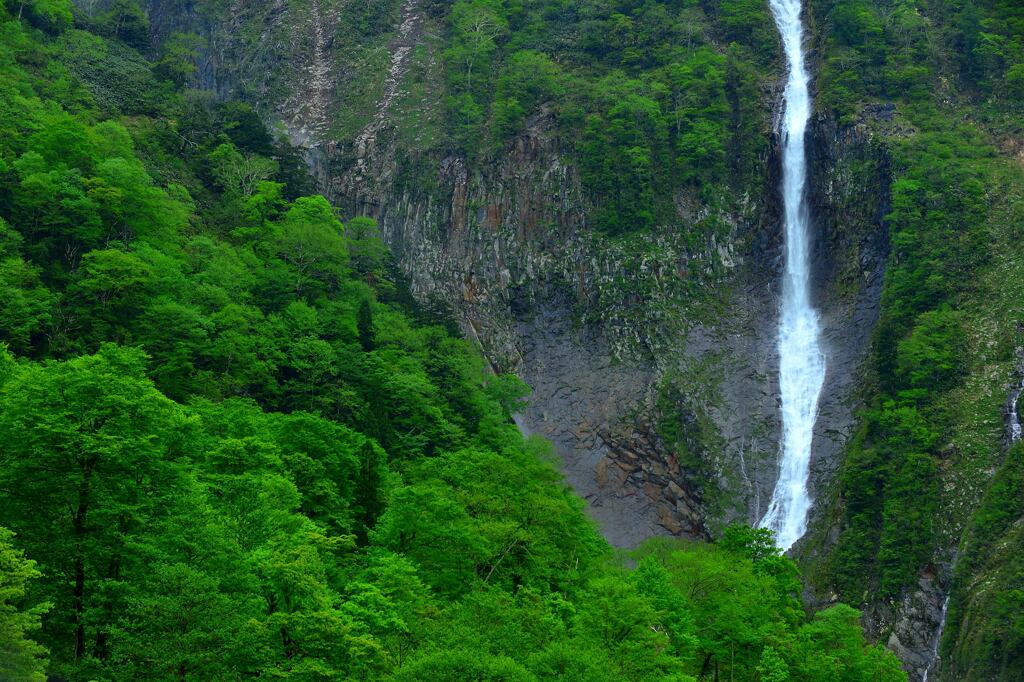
<point x="660" y="97"/>
<point x="939" y="84"/>
<point x="234" y="447"/>
<point x="939" y="230"/>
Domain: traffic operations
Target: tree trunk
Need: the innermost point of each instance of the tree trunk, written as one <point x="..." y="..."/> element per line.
<point x="78" y="592"/>
<point x="79" y="606"/>
<point x="705" y="665"/>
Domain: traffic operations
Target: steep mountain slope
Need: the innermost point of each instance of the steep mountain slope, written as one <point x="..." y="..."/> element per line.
<point x="591" y="188"/>
<point x="623" y="191"/>
<point x="945" y="358"/>
<point x="234" y="447"/>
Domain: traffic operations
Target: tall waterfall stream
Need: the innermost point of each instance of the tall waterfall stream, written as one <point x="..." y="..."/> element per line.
<point x="801" y="361"/>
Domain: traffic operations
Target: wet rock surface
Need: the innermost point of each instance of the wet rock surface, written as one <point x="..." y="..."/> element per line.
<point x="915" y="624"/>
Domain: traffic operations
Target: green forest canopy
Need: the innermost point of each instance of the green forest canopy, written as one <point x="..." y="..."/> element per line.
<point x="234" y="447"/>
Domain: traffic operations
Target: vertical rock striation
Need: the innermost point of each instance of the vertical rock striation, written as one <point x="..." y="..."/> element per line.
<point x="618" y="339"/>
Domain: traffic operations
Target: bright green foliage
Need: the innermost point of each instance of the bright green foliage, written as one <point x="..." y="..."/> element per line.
<point x="364" y="325"/>
<point x="684" y="612"/>
<point x="620" y="153"/>
<point x="122" y="20"/>
<point x="477" y="25"/>
<point x="896" y="468"/>
<point x="700" y="111"/>
<point x="459" y="665"/>
<point x="655" y="97"/>
<point x="28" y="305"/>
<point x="832" y="646"/>
<point x="901" y="53"/>
<point x="21" y="658"/>
<point x="114" y="76"/>
<point x="110" y="444"/>
<point x="311" y="240"/>
<point x="367" y="253"/>
<point x="931" y="356"/>
<point x="772" y="667"/>
<point x="530" y="79"/>
<point x="743" y="21"/>
<point x="50" y="15"/>
<point x="986" y="635"/>
<point x="234" y="451"/>
<point x="177" y="60"/>
<point x="237" y="174"/>
<point x="614" y="617"/>
<point x="900" y="49"/>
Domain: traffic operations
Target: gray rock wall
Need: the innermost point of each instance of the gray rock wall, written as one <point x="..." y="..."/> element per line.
<point x="596" y="327"/>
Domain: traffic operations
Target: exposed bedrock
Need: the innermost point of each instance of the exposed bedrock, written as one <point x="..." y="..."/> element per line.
<point x="584" y="321"/>
<point x="508" y="250"/>
<point x="623" y="341"/>
<point x="848" y="172"/>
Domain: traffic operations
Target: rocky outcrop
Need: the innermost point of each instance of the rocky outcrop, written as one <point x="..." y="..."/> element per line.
<point x="849" y="197"/>
<point x="915" y="624"/>
<point x="583" y="401"/>
<point x="408" y="36"/>
<point x="507" y="248"/>
<point x="598" y="328"/>
<point x="308" y="110"/>
<point x="1013" y="429"/>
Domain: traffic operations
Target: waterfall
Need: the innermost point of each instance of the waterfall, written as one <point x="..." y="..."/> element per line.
<point x="938" y="640"/>
<point x="801" y="362"/>
<point x="1014" y="431"/>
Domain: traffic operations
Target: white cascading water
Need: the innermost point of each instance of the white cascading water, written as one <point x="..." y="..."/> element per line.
<point x="938" y="640"/>
<point x="801" y="362"/>
<point x="1014" y="428"/>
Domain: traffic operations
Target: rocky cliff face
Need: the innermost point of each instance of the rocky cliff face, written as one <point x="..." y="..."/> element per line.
<point x="849" y="171"/>
<point x="600" y="328"/>
<point x="621" y="340"/>
<point x="652" y="359"/>
<point x="507" y="247"/>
